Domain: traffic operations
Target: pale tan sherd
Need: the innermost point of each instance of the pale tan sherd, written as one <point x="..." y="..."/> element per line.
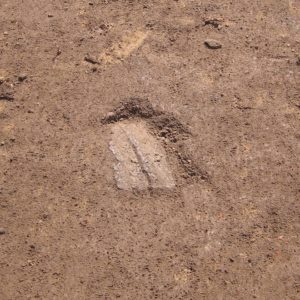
<point x="140" y="159"/>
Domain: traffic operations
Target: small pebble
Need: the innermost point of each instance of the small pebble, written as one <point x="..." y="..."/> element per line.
<point x="22" y="77"/>
<point x="110" y="115"/>
<point x="91" y="59"/>
<point x="2" y="231"/>
<point x="213" y="44"/>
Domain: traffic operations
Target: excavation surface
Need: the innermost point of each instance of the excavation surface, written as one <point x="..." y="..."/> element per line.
<point x="149" y="149"/>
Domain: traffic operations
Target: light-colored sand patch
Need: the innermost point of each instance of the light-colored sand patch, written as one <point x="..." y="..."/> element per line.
<point x="2" y="107"/>
<point x="183" y="276"/>
<point x="294" y="7"/>
<point x="124" y="48"/>
<point x="8" y="128"/>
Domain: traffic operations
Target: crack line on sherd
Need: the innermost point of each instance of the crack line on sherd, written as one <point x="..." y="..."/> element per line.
<point x="140" y="160"/>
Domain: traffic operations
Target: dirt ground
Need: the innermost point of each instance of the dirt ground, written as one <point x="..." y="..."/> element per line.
<point x="229" y="114"/>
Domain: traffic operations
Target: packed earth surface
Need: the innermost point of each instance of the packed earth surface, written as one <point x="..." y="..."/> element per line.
<point x="150" y="149"/>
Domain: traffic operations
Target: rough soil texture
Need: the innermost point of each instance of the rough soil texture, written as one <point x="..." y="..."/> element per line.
<point x="227" y="71"/>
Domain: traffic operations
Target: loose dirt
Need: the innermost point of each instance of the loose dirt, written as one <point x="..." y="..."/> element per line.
<point x="212" y="87"/>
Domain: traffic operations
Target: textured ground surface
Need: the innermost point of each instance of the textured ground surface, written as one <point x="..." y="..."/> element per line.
<point x="227" y="117"/>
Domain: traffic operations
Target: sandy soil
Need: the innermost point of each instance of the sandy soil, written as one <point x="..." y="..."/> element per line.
<point x="225" y="79"/>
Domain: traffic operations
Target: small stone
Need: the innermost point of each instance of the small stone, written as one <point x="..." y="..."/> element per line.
<point x="5" y="33"/>
<point x="22" y="77"/>
<point x="215" y="22"/>
<point x="212" y="44"/>
<point x="2" y="231"/>
<point x="91" y="60"/>
<point x="2" y="143"/>
<point x="7" y="96"/>
<point x="50" y="16"/>
<point x="110" y="116"/>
